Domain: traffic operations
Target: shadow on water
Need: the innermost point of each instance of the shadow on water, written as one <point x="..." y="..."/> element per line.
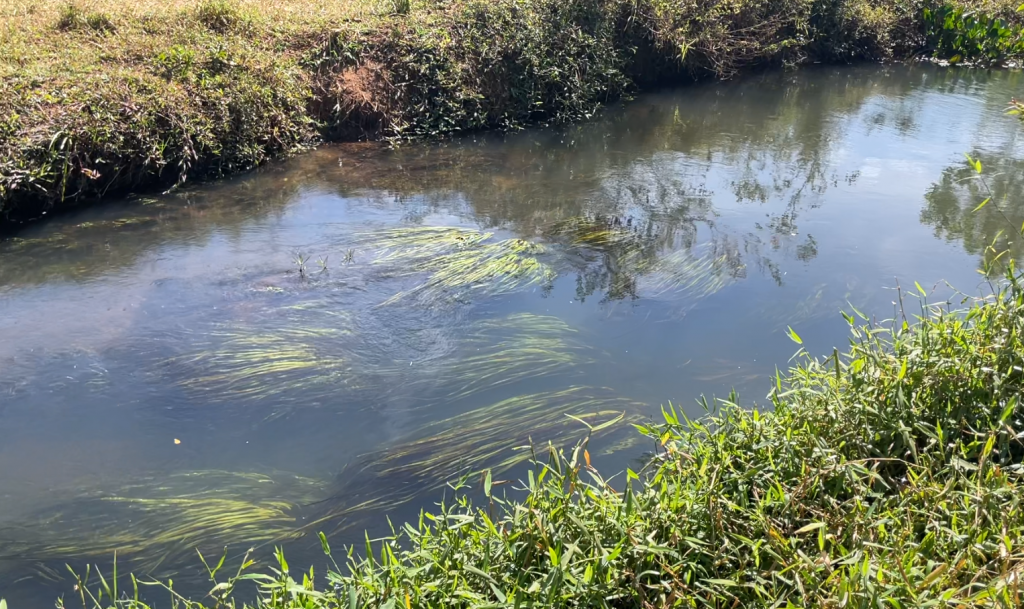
<point x="329" y="340"/>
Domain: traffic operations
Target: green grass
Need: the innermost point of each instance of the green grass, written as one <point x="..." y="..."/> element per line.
<point x="101" y="97"/>
<point x="889" y="475"/>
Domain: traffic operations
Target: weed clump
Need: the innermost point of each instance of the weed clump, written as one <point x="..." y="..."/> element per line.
<point x="398" y="7"/>
<point x="73" y="17"/>
<point x="219" y="15"/>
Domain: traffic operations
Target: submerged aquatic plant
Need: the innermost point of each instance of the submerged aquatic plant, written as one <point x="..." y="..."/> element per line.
<point x="263" y="365"/>
<point x="683" y="272"/>
<point x="620" y="258"/>
<point x="606" y="254"/>
<point x="153" y="523"/>
<point x="509" y="362"/>
<point x="295" y="354"/>
<point x="595" y="232"/>
<point x="489" y="436"/>
<point x="455" y="261"/>
<point x="496" y="437"/>
<point x="417" y="244"/>
<point x="495" y="352"/>
<point x="310" y="354"/>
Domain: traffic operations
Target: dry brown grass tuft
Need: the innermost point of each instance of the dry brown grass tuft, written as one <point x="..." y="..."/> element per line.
<point x="26" y="14"/>
<point x="39" y="39"/>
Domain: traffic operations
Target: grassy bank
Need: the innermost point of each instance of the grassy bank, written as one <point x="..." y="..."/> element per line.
<point x="100" y="97"/>
<point x="886" y="476"/>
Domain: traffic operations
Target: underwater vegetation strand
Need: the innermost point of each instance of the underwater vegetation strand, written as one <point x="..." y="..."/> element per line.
<point x="455" y="262"/>
<point x="154" y="524"/>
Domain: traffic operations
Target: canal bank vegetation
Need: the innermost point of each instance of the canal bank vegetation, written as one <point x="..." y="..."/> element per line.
<point x="887" y="475"/>
<point x="99" y="97"/>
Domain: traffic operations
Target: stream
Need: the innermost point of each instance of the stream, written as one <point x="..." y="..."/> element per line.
<point x="328" y="340"/>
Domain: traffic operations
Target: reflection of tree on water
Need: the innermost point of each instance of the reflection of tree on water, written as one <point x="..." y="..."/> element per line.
<point x="80" y="247"/>
<point x="661" y="167"/>
<point x="952" y="201"/>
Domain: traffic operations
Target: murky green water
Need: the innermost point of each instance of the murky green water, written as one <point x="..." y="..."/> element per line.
<point x="154" y="350"/>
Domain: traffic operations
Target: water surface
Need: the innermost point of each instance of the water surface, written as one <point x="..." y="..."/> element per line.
<point x="676" y="239"/>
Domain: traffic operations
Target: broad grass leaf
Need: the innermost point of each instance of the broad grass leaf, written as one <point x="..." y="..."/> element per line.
<point x="722" y="582"/>
<point x="794" y="336"/>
